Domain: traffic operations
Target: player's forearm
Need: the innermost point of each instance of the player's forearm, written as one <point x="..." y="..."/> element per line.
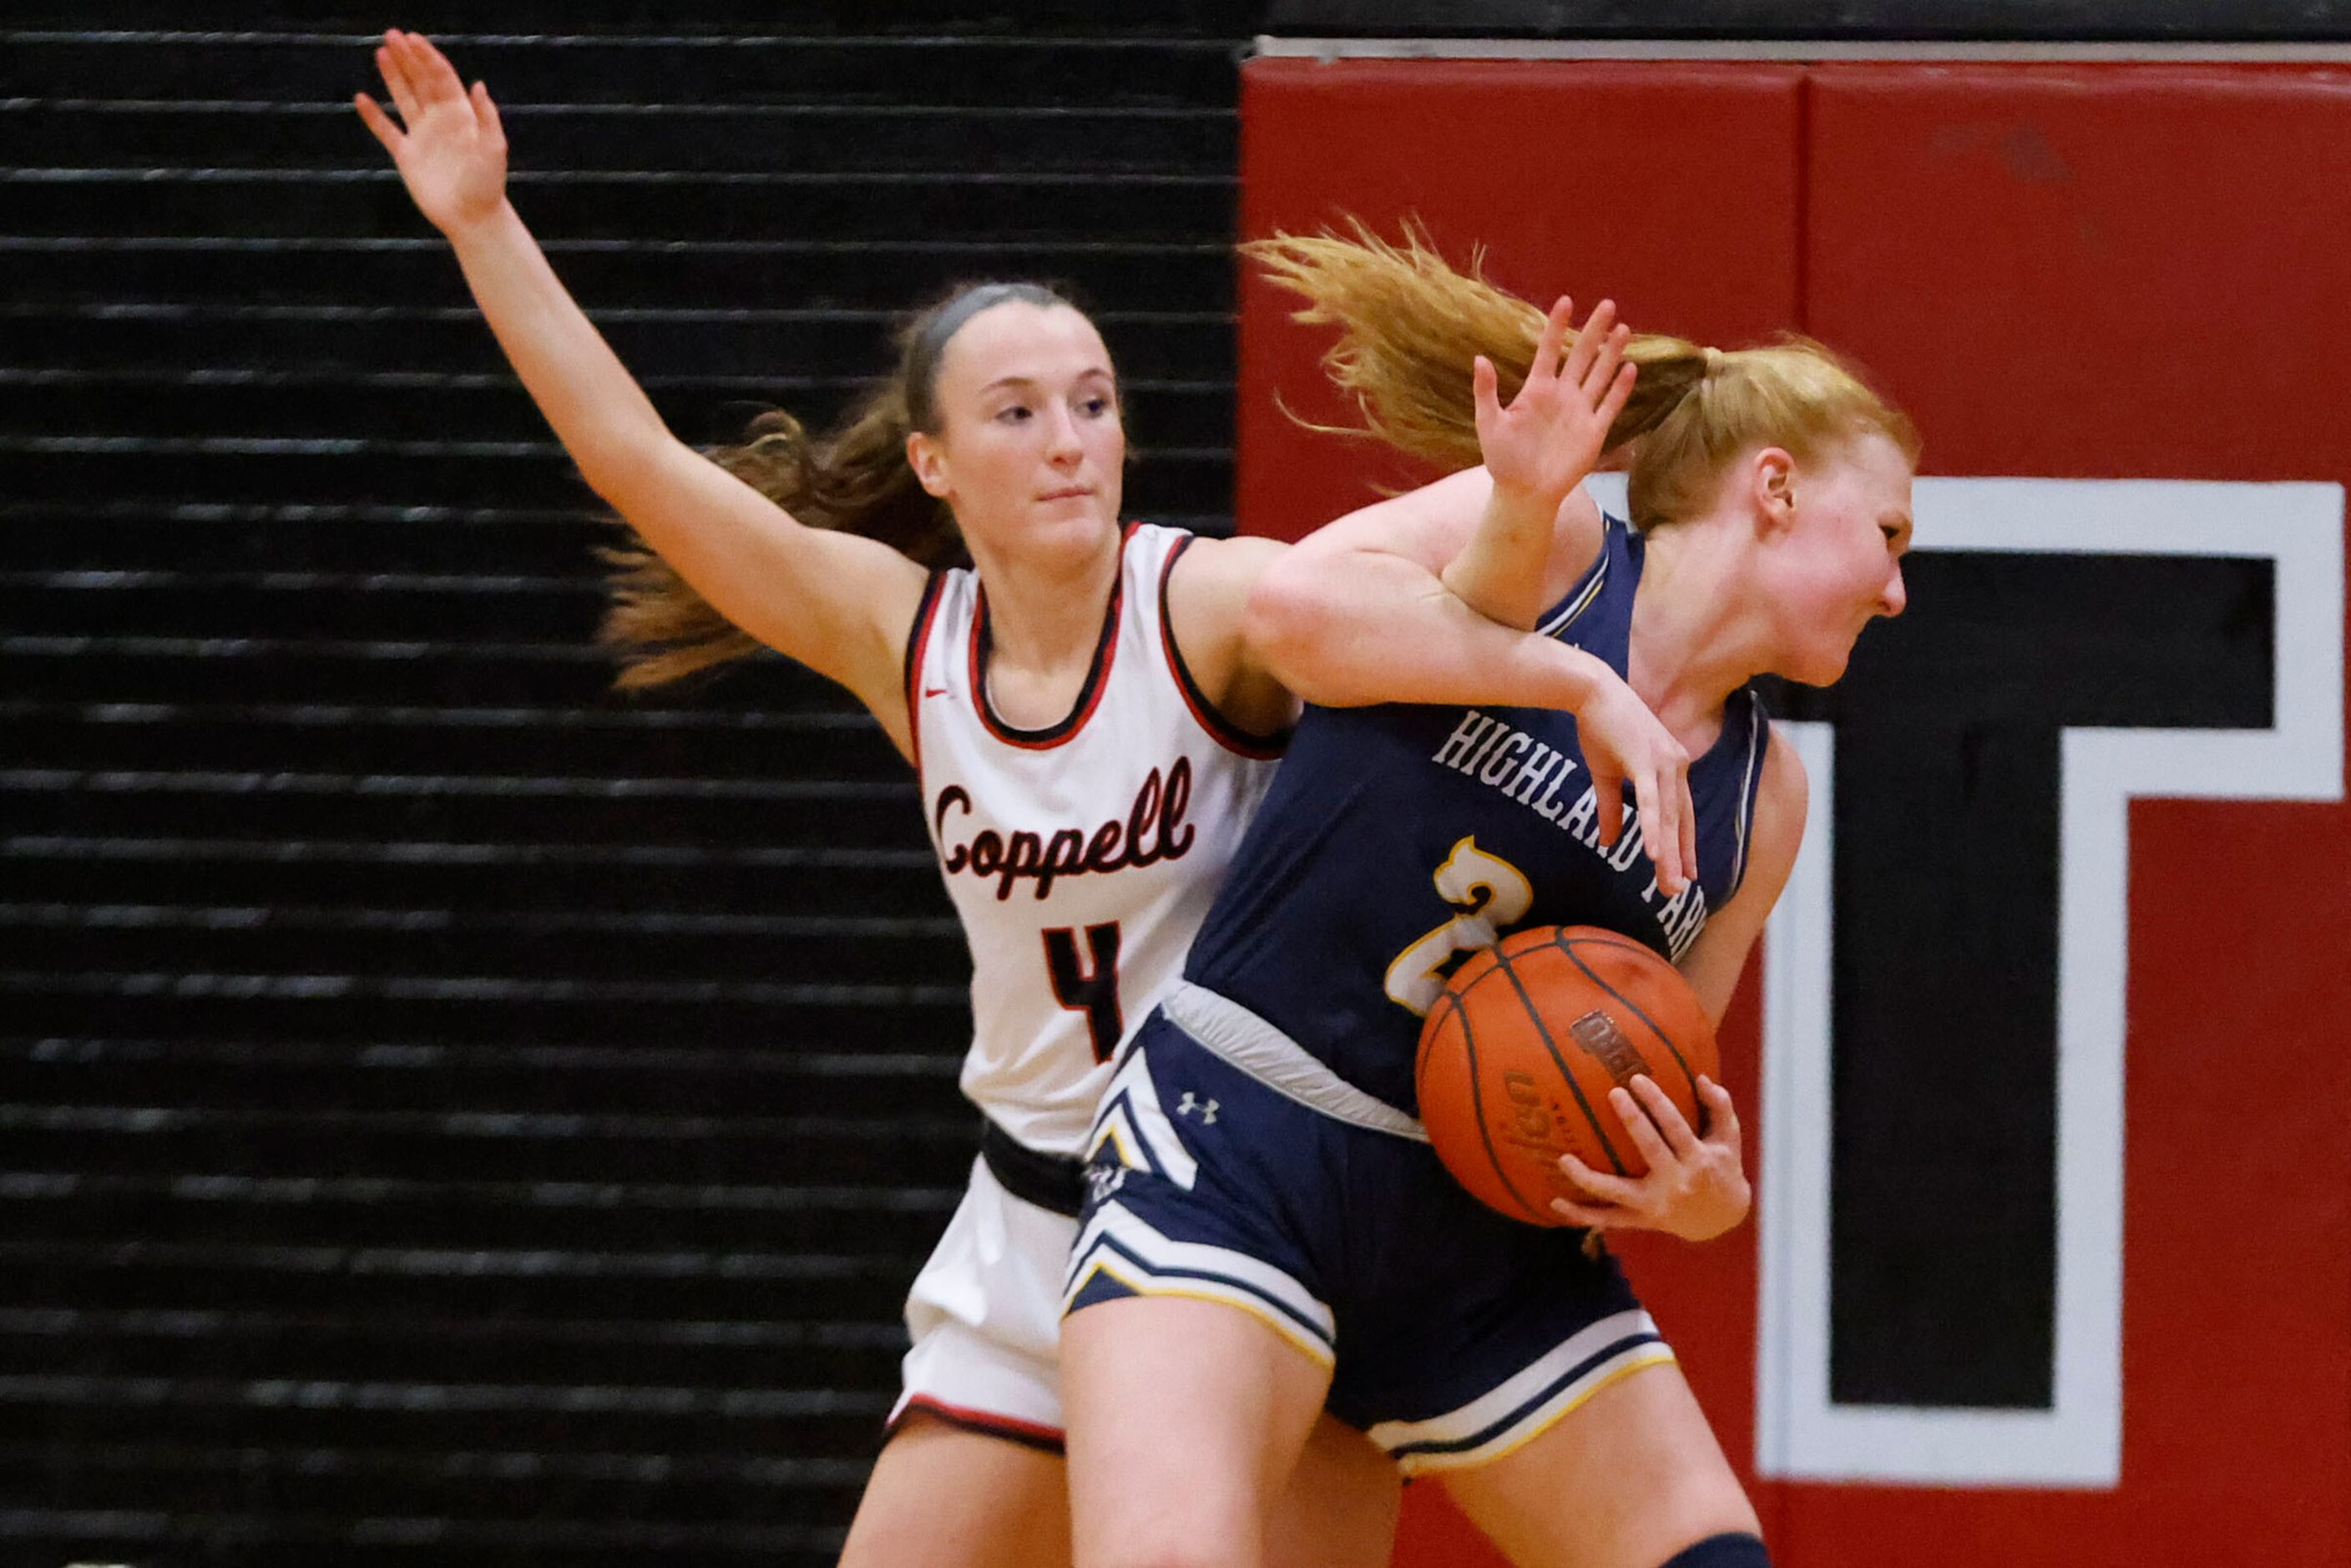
<point x="1361" y="627"/>
<point x="1501" y="572"/>
<point x="599" y="414"/>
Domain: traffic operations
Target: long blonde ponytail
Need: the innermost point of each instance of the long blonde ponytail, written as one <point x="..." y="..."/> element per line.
<point x="1410" y="324"/>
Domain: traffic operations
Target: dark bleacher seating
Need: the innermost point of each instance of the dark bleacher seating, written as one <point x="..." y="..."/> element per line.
<point x="450" y="1114"/>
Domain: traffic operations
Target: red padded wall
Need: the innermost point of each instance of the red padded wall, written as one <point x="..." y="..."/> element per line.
<point x="2098" y="272"/>
<point x="1586" y="180"/>
<point x="2137" y="271"/>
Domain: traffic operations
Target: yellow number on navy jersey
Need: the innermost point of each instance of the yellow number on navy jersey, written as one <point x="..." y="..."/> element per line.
<point x="1489" y="894"/>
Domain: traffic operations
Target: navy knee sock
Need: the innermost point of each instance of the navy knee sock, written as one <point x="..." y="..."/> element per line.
<point x="1737" y="1550"/>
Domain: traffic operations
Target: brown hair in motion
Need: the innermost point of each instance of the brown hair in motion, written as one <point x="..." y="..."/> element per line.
<point x="1410" y="324"/>
<point x="854" y="477"/>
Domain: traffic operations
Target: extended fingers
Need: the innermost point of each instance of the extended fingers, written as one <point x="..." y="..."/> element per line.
<point x="1618" y="391"/>
<point x="422" y="66"/>
<point x="1608" y="795"/>
<point x="1664" y="1116"/>
<point x="372" y="116"/>
<point x="1689" y="826"/>
<point x="1484" y="386"/>
<point x="402" y="73"/>
<point x="431" y="70"/>
<point x="1655" y="1153"/>
<point x="488" y="113"/>
<point x="1607" y="354"/>
<point x="1590" y="343"/>
<point x="1646" y="805"/>
<point x="1665" y="828"/>
<point x="392" y="65"/>
<point x="1614" y="1191"/>
<point x="1722" y="1116"/>
<point x="1555" y="333"/>
<point x="1591" y="1216"/>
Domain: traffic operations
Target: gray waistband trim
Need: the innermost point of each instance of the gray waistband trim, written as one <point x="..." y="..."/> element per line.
<point x="1231" y="1030"/>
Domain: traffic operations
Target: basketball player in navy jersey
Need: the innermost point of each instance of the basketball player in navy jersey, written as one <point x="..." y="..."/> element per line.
<point x="1267" y="1232"/>
<point x="1091" y="722"/>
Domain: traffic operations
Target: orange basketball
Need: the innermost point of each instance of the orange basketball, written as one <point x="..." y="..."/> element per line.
<point x="1517" y="1056"/>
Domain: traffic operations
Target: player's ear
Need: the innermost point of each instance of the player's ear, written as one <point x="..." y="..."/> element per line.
<point x="1771" y="489"/>
<point x="929" y="464"/>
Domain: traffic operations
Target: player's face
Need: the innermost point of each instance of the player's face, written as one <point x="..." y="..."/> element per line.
<point x="1852" y="529"/>
<point x="1031" y="452"/>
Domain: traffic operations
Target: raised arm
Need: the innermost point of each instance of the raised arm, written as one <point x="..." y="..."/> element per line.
<point x="1538" y="526"/>
<point x="1366" y="611"/>
<point x="1477" y="555"/>
<point x="837" y="603"/>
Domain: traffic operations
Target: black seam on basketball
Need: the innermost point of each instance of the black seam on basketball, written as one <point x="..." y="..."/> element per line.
<point x="1605" y="944"/>
<point x="1567" y="946"/>
<point x="1459" y="987"/>
<point x="1663" y="1038"/>
<point x="1565" y="1071"/>
<point x="1559" y="938"/>
<point x="1478" y="1114"/>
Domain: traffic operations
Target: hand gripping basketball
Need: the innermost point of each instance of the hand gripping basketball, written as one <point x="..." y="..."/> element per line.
<point x="1561" y="1075"/>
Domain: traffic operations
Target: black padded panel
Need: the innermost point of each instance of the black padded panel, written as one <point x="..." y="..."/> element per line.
<point x="451" y="1113"/>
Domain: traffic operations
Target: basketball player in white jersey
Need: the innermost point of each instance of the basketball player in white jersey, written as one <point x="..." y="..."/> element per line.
<point x="1092" y="722"/>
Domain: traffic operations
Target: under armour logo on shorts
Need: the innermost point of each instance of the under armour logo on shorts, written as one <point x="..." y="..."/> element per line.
<point x="1207" y="1108"/>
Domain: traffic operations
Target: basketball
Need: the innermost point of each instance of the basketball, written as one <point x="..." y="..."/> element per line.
<point x="1517" y="1056"/>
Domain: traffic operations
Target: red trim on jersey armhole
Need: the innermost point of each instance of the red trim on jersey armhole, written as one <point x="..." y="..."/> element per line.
<point x="918" y="638"/>
<point x="1222" y="730"/>
<point x="1088" y="694"/>
<point x="1029" y="1434"/>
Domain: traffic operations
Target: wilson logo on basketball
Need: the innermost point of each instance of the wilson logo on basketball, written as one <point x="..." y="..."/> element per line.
<point x="1502" y="1103"/>
<point x="1533" y="1126"/>
<point x="1154" y="830"/>
<point x="1606" y="1044"/>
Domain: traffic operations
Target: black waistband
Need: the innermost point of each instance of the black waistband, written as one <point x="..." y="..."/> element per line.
<point x="1049" y="1181"/>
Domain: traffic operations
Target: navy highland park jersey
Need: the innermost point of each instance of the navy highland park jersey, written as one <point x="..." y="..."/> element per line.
<point x="1396" y="839"/>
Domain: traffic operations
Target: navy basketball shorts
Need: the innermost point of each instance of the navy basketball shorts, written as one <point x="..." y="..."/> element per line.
<point x="1227" y="1165"/>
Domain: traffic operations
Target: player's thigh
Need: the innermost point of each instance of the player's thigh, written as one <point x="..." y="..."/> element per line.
<point x="1339" y="1508"/>
<point x="1625" y="1480"/>
<point x="1185" y="1419"/>
<point x="943" y="1497"/>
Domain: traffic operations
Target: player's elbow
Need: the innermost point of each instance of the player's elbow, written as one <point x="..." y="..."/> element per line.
<point x="629" y="471"/>
<point x="1291" y="623"/>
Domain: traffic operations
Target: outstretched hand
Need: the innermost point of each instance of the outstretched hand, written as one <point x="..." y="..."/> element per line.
<point x="451" y="153"/>
<point x="1554" y="430"/>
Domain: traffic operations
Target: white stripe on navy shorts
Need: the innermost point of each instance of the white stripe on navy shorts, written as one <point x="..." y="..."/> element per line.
<point x="1453" y="1334"/>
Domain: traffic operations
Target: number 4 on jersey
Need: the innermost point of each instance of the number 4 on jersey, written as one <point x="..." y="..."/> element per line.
<point x="1093" y="991"/>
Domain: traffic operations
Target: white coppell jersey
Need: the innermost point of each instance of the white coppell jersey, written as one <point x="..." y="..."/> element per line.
<point x="1081" y="856"/>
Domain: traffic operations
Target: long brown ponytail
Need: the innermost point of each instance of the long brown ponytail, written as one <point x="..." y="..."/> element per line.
<point x="1410" y="325"/>
<point x="854" y="477"/>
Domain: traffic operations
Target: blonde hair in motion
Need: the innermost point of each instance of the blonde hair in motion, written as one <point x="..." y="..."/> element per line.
<point x="1410" y="324"/>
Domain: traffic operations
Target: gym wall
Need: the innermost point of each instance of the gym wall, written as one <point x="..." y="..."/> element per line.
<point x="2053" y="1258"/>
<point x="450" y="1114"/>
